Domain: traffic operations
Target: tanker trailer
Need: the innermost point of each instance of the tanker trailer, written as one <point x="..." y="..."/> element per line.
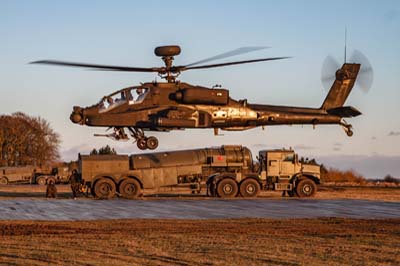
<point x="130" y="176"/>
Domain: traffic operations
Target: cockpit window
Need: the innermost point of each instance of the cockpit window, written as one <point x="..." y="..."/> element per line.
<point x="113" y="100"/>
<point x="137" y="95"/>
<point x="131" y="95"/>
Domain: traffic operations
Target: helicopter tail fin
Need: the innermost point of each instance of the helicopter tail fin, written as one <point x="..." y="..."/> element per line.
<point x="341" y="88"/>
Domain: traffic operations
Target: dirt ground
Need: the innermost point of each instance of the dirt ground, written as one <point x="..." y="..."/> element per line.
<point x="326" y="241"/>
<point x="330" y="241"/>
<point x="391" y="194"/>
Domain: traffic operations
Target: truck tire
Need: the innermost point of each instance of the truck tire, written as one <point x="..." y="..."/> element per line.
<point x="41" y="180"/>
<point x="227" y="188"/>
<point x="130" y="188"/>
<point x="306" y="188"/>
<point x="249" y="188"/>
<point x="104" y="188"/>
<point x="3" y="180"/>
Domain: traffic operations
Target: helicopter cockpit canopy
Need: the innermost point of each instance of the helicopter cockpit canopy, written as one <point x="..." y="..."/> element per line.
<point x="131" y="95"/>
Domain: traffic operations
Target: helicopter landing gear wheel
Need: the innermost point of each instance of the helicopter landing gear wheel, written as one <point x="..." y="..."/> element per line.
<point x="141" y="143"/>
<point x="349" y="132"/>
<point x="152" y="143"/>
<point x="347" y="128"/>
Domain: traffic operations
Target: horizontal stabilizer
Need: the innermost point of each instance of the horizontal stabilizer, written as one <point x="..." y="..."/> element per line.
<point x="345" y="111"/>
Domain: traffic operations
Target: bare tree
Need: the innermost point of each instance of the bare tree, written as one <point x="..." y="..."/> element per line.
<point x="26" y="140"/>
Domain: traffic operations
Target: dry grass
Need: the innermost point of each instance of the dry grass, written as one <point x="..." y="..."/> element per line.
<point x="338" y="176"/>
<point x="391" y="194"/>
<point x="202" y="242"/>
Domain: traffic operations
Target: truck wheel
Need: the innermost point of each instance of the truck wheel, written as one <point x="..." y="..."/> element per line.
<point x="130" y="188"/>
<point x="249" y="188"/>
<point x="104" y="188"/>
<point x="306" y="188"/>
<point x="41" y="180"/>
<point x="227" y="188"/>
<point x="3" y="181"/>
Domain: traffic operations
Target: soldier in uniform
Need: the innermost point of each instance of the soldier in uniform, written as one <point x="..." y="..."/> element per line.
<point x="75" y="183"/>
<point x="51" y="190"/>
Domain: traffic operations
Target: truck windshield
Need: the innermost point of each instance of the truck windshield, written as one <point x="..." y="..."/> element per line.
<point x="289" y="158"/>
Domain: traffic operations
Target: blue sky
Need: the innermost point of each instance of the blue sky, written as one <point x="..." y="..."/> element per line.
<point x="126" y="32"/>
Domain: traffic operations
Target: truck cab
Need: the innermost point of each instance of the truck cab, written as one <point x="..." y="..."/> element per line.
<point x="281" y="169"/>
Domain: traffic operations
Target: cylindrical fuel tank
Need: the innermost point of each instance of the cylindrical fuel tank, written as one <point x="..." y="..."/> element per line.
<point x="232" y="154"/>
<point x="199" y="95"/>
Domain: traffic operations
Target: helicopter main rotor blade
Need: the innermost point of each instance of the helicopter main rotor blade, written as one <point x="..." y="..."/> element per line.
<point x="238" y="51"/>
<point x="97" y="67"/>
<point x="183" y="68"/>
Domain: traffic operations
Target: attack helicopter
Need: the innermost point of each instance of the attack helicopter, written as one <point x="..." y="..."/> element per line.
<point x="173" y="105"/>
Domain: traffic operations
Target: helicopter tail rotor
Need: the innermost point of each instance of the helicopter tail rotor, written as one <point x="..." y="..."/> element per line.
<point x="365" y="76"/>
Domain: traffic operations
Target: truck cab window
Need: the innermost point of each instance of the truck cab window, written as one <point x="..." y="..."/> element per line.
<point x="289" y="158"/>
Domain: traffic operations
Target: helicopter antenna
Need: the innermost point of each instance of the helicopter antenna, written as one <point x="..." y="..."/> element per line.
<point x="345" y="44"/>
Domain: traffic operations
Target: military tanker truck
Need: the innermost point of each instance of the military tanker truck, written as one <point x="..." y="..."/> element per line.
<point x="16" y="174"/>
<point x="226" y="171"/>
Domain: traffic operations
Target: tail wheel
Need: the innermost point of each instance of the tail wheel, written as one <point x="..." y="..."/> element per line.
<point x="152" y="143"/>
<point x="104" y="188"/>
<point x="249" y="188"/>
<point x="227" y="188"/>
<point x="306" y="188"/>
<point x="3" y="181"/>
<point x="130" y="188"/>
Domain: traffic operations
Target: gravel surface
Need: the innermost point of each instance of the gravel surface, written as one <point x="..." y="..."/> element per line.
<point x="82" y="209"/>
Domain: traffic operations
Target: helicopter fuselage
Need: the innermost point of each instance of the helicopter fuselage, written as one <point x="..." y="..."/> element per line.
<point x="167" y="106"/>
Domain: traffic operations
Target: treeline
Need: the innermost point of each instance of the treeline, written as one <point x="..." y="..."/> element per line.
<point x="333" y="175"/>
<point x="26" y="140"/>
<point x="340" y="176"/>
<point x="103" y="151"/>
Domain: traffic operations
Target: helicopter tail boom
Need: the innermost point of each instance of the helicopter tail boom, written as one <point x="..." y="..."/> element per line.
<point x="341" y="88"/>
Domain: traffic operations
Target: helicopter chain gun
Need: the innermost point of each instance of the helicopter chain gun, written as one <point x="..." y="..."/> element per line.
<point x="172" y="105"/>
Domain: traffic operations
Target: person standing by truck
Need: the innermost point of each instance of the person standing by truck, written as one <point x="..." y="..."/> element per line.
<point x="75" y="183"/>
<point x="51" y="190"/>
